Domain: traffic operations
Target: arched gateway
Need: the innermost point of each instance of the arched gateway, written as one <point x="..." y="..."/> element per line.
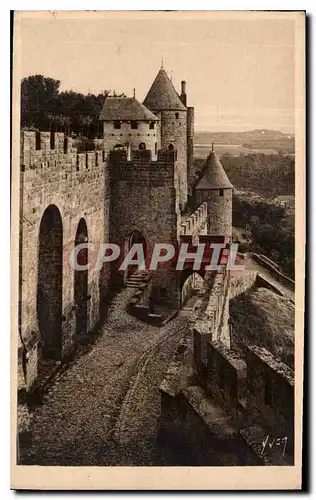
<point x="81" y="281"/>
<point x="191" y="283"/>
<point x="136" y="237"/>
<point x="49" y="282"/>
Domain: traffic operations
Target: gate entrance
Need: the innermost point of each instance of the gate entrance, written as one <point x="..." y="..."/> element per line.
<point x="49" y="282"/>
<point x="81" y="281"/>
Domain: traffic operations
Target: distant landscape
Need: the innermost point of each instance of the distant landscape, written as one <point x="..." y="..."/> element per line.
<point x="241" y="143"/>
<point x="261" y="166"/>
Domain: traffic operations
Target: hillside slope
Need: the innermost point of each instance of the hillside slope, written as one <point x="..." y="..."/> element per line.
<point x="261" y="317"/>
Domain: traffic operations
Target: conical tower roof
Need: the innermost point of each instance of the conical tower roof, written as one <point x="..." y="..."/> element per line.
<point x="162" y="95"/>
<point x="214" y="176"/>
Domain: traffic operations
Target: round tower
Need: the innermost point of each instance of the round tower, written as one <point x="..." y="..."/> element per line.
<point x="163" y="100"/>
<point x="130" y="125"/>
<point x="215" y="188"/>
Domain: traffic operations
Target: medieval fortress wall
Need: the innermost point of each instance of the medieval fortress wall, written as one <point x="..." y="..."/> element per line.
<point x="71" y="191"/>
<point x="144" y="201"/>
<point x="71" y="187"/>
<point x="137" y="185"/>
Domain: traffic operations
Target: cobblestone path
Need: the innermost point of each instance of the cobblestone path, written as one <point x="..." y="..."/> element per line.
<point x="103" y="409"/>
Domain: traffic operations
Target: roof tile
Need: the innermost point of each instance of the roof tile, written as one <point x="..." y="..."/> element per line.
<point x="214" y="176"/>
<point x="125" y="108"/>
<point x="162" y="95"/>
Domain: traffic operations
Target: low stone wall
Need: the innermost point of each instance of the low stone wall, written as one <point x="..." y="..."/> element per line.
<point x="226" y="377"/>
<point x="273" y="269"/>
<point x="271" y="392"/>
<point x="261" y="281"/>
<point x="225" y="408"/>
<point x="193" y="431"/>
<point x="212" y="321"/>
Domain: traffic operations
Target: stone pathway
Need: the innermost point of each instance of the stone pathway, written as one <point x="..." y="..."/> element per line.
<point x="77" y="424"/>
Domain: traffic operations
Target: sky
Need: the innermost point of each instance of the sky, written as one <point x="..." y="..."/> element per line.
<point x="239" y="73"/>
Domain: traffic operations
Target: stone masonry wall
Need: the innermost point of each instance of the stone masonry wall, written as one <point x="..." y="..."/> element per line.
<point x="212" y="320"/>
<point x="126" y="136"/>
<point x="271" y="392"/>
<point x="77" y="186"/>
<point x="219" y="209"/>
<point x="173" y="131"/>
<point x="144" y="201"/>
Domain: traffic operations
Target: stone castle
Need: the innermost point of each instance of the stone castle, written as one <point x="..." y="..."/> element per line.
<point x="134" y="190"/>
<point x="140" y="188"/>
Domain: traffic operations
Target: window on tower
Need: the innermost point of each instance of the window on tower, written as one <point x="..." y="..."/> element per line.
<point x="134" y="124"/>
<point x="117" y="124"/>
<point x="152" y="125"/>
<point x="52" y="140"/>
<point x="37" y="140"/>
<point x="177" y="116"/>
<point x="221" y="192"/>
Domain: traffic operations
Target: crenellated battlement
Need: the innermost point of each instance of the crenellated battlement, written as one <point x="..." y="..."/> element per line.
<point x="52" y="154"/>
<point x="140" y="169"/>
<point x="195" y="223"/>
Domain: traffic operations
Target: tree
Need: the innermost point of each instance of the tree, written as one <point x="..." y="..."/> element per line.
<point x="37" y="100"/>
<point x="45" y="108"/>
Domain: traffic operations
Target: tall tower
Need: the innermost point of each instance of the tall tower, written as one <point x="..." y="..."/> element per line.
<point x="163" y="100"/>
<point x="130" y="125"/>
<point x="215" y="188"/>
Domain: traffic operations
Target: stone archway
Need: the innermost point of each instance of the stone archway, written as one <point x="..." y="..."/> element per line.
<point x="191" y="283"/>
<point x="81" y="281"/>
<point x="50" y="283"/>
<point x="136" y="237"/>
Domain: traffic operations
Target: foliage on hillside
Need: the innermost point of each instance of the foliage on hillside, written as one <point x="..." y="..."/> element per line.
<point x="44" y="107"/>
<point x="267" y="175"/>
<point x="267" y="229"/>
<point x="263" y="318"/>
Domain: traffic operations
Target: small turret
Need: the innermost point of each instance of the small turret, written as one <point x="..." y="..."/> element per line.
<point x="215" y="188"/>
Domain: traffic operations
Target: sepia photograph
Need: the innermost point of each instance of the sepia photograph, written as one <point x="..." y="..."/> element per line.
<point x="158" y="184"/>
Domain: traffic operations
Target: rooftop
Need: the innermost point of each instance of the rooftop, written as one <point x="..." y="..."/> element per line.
<point x="125" y="108"/>
<point x="162" y="94"/>
<point x="214" y="176"/>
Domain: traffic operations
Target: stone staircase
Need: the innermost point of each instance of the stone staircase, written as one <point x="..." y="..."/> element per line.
<point x="138" y="282"/>
<point x="137" y="279"/>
